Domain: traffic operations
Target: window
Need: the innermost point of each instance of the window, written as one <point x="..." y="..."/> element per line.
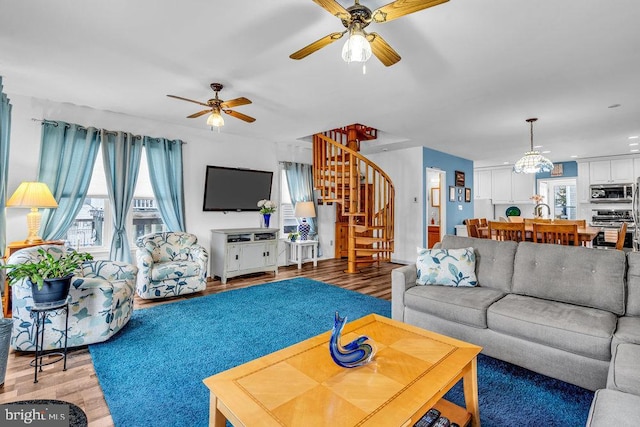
<point x="289" y="222"/>
<point x="93" y="226"/>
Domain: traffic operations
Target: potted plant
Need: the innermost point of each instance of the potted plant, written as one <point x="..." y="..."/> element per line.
<point x="293" y="236"/>
<point x="50" y="276"/>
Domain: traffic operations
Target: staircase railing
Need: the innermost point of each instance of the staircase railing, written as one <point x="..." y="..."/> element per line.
<point x="365" y="193"/>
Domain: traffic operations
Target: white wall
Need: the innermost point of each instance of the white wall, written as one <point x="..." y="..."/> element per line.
<point x="203" y="148"/>
<point x="405" y="169"/>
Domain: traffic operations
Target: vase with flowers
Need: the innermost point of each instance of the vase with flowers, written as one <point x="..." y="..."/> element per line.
<point x="267" y="207"/>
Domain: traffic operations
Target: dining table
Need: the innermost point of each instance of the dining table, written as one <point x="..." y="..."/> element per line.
<point x="585" y="234"/>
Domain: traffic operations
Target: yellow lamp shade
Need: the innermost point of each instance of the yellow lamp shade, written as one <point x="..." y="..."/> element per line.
<point x="32" y="195"/>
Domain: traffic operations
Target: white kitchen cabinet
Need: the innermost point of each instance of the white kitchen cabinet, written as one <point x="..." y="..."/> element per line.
<point x="583" y="182"/>
<point x="510" y="187"/>
<point x="611" y="171"/>
<point x="482" y="184"/>
<point x="238" y="251"/>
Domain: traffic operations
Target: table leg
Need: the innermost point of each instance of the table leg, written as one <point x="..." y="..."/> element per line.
<point x="38" y="356"/>
<point x="470" y="384"/>
<point x="314" y="248"/>
<point x="216" y="418"/>
<point x="299" y="252"/>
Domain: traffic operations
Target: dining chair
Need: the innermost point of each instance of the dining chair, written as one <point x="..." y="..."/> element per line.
<point x="622" y="233"/>
<point x="581" y="223"/>
<point x="560" y="234"/>
<point x="483" y="222"/>
<point x="504" y="231"/>
<point x="529" y="221"/>
<point x="515" y="219"/>
<point x="472" y="227"/>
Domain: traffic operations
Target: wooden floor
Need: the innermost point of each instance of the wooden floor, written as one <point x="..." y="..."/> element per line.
<point x="79" y="384"/>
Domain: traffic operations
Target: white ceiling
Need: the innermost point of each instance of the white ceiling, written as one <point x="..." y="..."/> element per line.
<point x="471" y="71"/>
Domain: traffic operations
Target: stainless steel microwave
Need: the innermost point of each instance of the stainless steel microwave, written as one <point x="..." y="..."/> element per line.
<point x="611" y="193"/>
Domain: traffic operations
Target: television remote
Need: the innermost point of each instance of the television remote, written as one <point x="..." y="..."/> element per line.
<point x="442" y="422"/>
<point x="428" y="419"/>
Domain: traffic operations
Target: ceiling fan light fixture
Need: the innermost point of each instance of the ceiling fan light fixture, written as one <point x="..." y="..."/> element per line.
<point x="357" y="47"/>
<point x="532" y="161"/>
<point x="215" y="119"/>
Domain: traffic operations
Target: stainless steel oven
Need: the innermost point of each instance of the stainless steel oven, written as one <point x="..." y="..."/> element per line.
<point x="611" y="193"/>
<point x="612" y="219"/>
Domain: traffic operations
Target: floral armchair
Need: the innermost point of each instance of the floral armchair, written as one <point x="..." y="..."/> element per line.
<point x="100" y="303"/>
<point x="170" y="264"/>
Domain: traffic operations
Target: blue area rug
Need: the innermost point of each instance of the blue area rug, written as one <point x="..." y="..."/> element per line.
<point x="151" y="372"/>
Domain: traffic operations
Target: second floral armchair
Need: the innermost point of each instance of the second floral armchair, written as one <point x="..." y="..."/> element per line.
<point x="170" y="264"/>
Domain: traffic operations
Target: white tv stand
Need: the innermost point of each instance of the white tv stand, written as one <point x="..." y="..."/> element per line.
<point x="238" y="251"/>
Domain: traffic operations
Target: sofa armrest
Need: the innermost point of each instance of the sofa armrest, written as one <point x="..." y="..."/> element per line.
<point x="110" y="270"/>
<point x="402" y="278"/>
<point x="199" y="254"/>
<point x="144" y="261"/>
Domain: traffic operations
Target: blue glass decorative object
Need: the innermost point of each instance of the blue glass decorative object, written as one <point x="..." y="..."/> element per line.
<point x="266" y="218"/>
<point x="357" y="353"/>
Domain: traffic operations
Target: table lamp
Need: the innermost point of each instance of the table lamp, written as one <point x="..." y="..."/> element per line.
<point x="32" y="195"/>
<point x="304" y="210"/>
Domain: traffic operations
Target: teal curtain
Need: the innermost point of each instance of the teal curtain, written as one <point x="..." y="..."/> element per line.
<point x="67" y="155"/>
<point x="5" y="130"/>
<point x="164" y="158"/>
<point x="121" y="153"/>
<point x="300" y="183"/>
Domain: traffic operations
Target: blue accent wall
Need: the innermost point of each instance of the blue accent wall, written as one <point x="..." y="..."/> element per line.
<point x="450" y="164"/>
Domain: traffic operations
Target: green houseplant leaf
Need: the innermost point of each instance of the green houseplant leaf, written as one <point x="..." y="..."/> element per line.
<point x="48" y="267"/>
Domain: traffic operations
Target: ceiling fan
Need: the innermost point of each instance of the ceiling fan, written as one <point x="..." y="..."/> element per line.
<point x="216" y="105"/>
<point x="361" y="44"/>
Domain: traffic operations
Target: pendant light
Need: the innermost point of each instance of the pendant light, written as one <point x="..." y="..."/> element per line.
<point x="532" y="161"/>
<point x="357" y="47"/>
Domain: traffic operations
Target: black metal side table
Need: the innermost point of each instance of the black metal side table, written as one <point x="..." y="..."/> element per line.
<point x="40" y="313"/>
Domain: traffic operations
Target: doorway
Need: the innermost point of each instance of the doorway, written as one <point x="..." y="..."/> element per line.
<point x="560" y="195"/>
<point x="435" y="212"/>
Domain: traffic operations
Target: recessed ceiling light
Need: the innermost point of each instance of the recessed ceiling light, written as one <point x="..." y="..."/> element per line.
<point x="631" y="144"/>
<point x="537" y="146"/>
<point x="574" y="156"/>
<point x="614" y="105"/>
<point x="546" y="151"/>
<point x="633" y="137"/>
<point x="505" y="163"/>
<point x="635" y="150"/>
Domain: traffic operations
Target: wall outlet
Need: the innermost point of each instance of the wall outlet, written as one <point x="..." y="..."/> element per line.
<point x="330" y="242"/>
<point x="415" y="200"/>
<point x="459" y="207"/>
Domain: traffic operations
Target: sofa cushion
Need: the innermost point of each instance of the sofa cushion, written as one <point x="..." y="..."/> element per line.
<point x="628" y="330"/>
<point x="623" y="371"/>
<point x="614" y="408"/>
<point x="494" y="260"/>
<point x="575" y="275"/>
<point x="446" y="267"/>
<point x="633" y="284"/>
<point x="174" y="270"/>
<point x="581" y="330"/>
<point x="466" y="305"/>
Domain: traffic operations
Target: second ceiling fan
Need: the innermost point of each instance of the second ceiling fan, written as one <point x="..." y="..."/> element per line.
<point x="361" y="44"/>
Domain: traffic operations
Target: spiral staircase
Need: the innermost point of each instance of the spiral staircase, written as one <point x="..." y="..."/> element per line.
<point x="362" y="191"/>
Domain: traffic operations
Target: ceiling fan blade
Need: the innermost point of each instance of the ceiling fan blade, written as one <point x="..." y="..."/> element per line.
<point x="198" y="114"/>
<point x="187" y="99"/>
<point x="400" y="8"/>
<point x="316" y="45"/>
<point x="381" y="49"/>
<point x="240" y="116"/>
<point x="235" y="102"/>
<point x="334" y="8"/>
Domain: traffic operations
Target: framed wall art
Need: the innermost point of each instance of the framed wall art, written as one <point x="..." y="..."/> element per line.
<point x="452" y="193"/>
<point x="435" y="197"/>
<point x="459" y="178"/>
<point x="467" y="195"/>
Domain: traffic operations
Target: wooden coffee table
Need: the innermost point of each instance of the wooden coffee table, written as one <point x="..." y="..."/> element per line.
<point x="302" y="386"/>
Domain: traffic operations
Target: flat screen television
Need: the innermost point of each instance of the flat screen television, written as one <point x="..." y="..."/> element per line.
<point x="235" y="189"/>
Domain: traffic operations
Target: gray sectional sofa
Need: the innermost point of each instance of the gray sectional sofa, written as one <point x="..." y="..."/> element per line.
<point x="557" y="310"/>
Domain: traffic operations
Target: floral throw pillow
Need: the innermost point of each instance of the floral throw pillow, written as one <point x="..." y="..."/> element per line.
<point x="446" y="267"/>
